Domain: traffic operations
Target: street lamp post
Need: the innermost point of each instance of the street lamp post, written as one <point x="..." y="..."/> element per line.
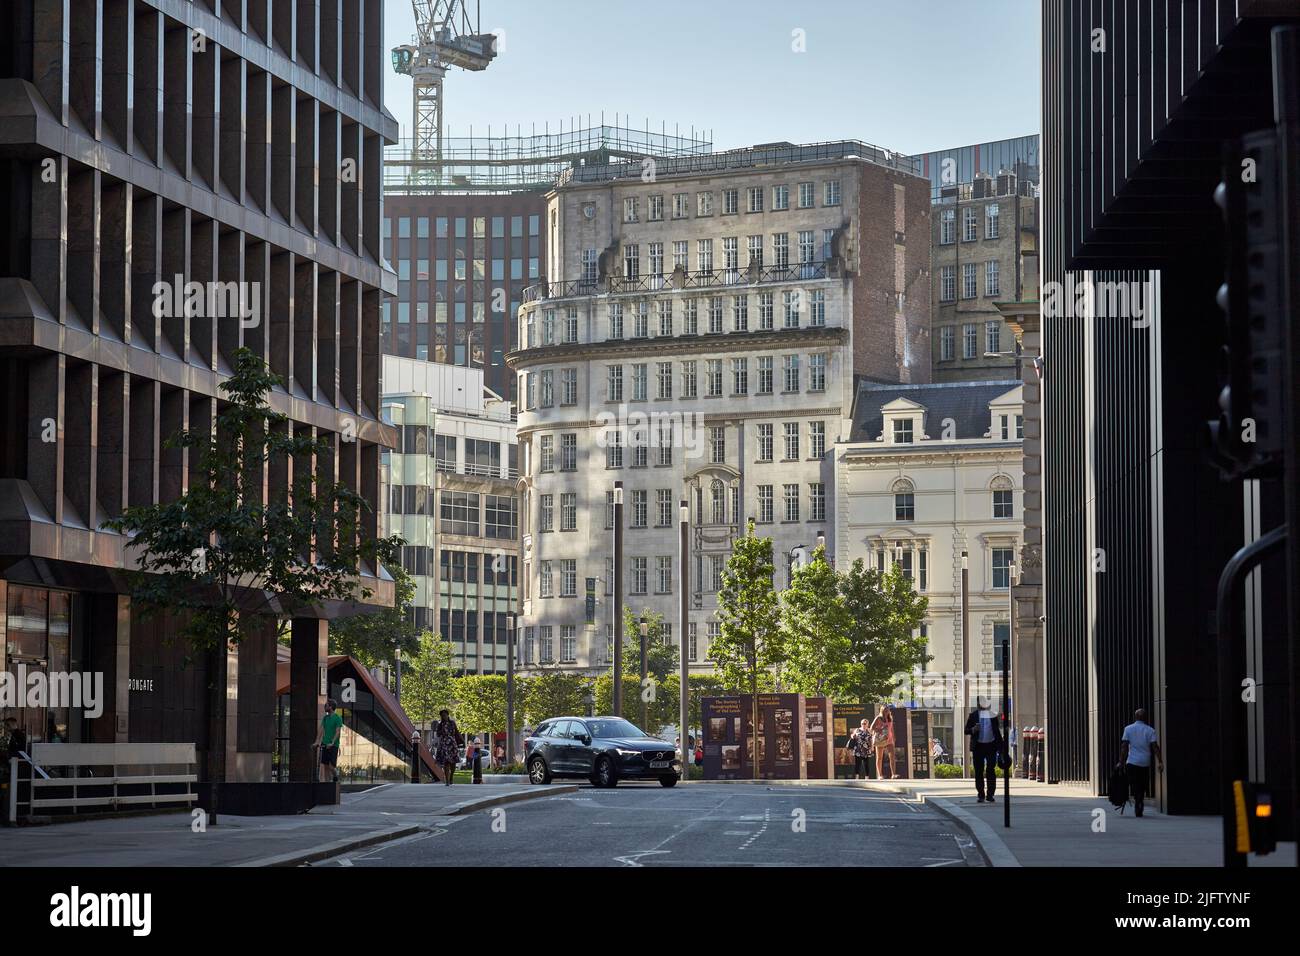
<point x="1006" y="699"/>
<point x="616" y="610"/>
<point x="965" y="663"/>
<point x="510" y="688"/>
<point x="645" y="631"/>
<point x="684" y="624"/>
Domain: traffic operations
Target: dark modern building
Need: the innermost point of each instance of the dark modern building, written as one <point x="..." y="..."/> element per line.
<point x="1139" y="101"/>
<point x="145" y="145"/>
<point x="1018" y="156"/>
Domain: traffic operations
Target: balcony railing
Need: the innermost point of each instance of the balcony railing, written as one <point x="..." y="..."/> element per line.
<point x="680" y="279"/>
<point x="448" y="467"/>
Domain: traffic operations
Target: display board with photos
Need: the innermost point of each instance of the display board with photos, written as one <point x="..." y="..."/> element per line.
<point x="729" y="744"/>
<point x="817" y="739"/>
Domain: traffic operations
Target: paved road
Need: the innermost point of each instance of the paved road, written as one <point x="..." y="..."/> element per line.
<point x="695" y="825"/>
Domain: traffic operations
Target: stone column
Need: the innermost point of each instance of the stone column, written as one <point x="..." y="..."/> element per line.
<point x="309" y="656"/>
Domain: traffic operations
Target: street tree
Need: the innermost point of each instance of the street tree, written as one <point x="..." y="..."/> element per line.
<point x="427" y="684"/>
<point x="480" y="703"/>
<point x="553" y="694"/>
<point x="817" y="631"/>
<point x="378" y="638"/>
<point x="661" y="655"/>
<point x="887" y="613"/>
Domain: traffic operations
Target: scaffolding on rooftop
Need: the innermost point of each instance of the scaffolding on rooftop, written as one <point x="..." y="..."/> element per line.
<point x="534" y="161"/>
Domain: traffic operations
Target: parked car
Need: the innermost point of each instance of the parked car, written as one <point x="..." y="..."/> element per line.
<point x="604" y="750"/>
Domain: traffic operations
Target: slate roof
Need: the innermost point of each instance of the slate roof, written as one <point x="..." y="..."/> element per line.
<point x="966" y="403"/>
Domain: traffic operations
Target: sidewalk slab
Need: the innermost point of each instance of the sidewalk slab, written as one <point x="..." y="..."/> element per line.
<point x="386" y="812"/>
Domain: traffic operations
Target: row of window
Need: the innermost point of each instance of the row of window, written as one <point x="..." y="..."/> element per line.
<point x="460" y="224"/>
<point x="640" y="444"/>
<point x="969" y="281"/>
<point x="904" y="429"/>
<point x="805" y="243"/>
<point x="460" y="511"/>
<point x="460" y="270"/>
<point x="1001" y="558"/>
<point x="970" y="340"/>
<point x="970" y="224"/>
<point x="538" y="644"/>
<point x="905" y="503"/>
<point x="804" y="196"/>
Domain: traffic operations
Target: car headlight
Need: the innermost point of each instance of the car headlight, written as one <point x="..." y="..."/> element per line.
<point x="628" y="753"/>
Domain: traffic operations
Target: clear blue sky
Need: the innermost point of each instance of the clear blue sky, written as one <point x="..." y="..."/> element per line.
<point x="910" y="75"/>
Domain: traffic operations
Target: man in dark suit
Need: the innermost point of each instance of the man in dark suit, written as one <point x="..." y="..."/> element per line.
<point x="988" y="745"/>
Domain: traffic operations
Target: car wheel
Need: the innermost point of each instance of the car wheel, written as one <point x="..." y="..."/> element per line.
<point x="604" y="775"/>
<point x="537" y="772"/>
<point x="668" y="781"/>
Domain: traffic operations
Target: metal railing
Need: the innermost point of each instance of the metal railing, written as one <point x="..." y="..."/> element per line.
<point x="681" y="279"/>
<point x="128" y="775"/>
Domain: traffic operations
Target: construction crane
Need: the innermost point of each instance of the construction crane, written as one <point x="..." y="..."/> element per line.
<point x="444" y="38"/>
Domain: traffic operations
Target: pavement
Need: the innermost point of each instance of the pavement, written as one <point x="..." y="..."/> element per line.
<point x="1059" y="825"/>
<point x="387" y="812"/>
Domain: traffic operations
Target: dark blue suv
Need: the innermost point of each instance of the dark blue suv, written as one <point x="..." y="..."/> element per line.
<point x="604" y="750"/>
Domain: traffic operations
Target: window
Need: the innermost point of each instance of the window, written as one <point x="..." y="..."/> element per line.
<point x="992" y="336"/>
<point x="970" y="340"/>
<point x="460" y="512"/>
<point x="545" y="640"/>
<point x="714" y="383"/>
<point x="780" y="197"/>
<point x="755" y="197"/>
<point x="568" y="578"/>
<point x="781" y="249"/>
<point x="717" y="564"/>
<point x="740" y="313"/>
<point x="663" y="575"/>
<point x="717" y="503"/>
<point x="790" y="365"/>
<point x="832" y="196"/>
<point x="640" y="576"/>
<point x="569" y="511"/>
<point x="1001" y="645"/>
<point x="730" y="202"/>
<point x="569" y="452"/>
<point x="664" y="507"/>
<point x="689" y="381"/>
<point x="715" y="315"/>
<point x="1020" y="427"/>
<point x="692" y="317"/>
<point x="902" y="431"/>
<point x="991" y="221"/>
<point x="548" y="327"/>
<point x="640" y="454"/>
<point x="904" y="502"/>
<point x="664" y="378"/>
<point x="817" y="309"/>
<point x="640" y="382"/>
<point x="704" y="255"/>
<point x="791" y="434"/>
<point x="1002" y="506"/>
<point x="681" y="254"/>
<point x="791" y="502"/>
<point x="731" y="257"/>
<point x="548" y="453"/>
<point x="546" y="588"/>
<point x="969" y="278"/>
<point x="765" y="311"/>
<point x="948" y="227"/>
<point x="501" y="517"/>
<point x="806" y="193"/>
<point x="629" y="209"/>
<point x="614" y="383"/>
<point x="718" y="444"/>
<point x="704" y="204"/>
<point x="616" y="320"/>
<point x="569" y="386"/>
<point x="991" y="284"/>
<point x="740" y="376"/>
<point x="969" y="225"/>
<point x="923" y="570"/>
<point x="547" y="398"/>
<point x="817" y="501"/>
<point x="614" y="449"/>
<point x="631" y="261"/>
<point x="817" y="372"/>
<point x="639" y="509"/>
<point x="817" y="439"/>
<point x="681" y="205"/>
<point x="655" y="211"/>
<point x="530" y="643"/>
<point x="664" y="308"/>
<point x="791" y="301"/>
<point x="692" y="654"/>
<point x="568" y="643"/>
<point x="947" y="283"/>
<point x="665" y="442"/>
<point x="1002" y="558"/>
<point x="756" y="252"/>
<point x="765" y="442"/>
<point x="590" y="266"/>
<point x="765" y="375"/>
<point x="609" y="524"/>
<point x="546" y="513"/>
<point x="947" y="344"/>
<point x="641" y="321"/>
<point x="764" y="504"/>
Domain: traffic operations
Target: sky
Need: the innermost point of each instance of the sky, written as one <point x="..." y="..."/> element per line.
<point x="908" y="75"/>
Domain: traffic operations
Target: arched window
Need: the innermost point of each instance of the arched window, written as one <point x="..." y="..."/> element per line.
<point x="1003" y="497"/>
<point x="904" y="500"/>
<point x="718" y="498"/>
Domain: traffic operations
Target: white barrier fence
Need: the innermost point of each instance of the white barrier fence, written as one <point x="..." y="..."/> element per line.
<point x="111" y="776"/>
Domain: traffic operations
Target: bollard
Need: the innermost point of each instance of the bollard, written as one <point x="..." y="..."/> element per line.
<point x="1026" y="751"/>
<point x="1042" y="754"/>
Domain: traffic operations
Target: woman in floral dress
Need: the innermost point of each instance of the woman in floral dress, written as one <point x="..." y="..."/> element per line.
<point x="446" y="745"/>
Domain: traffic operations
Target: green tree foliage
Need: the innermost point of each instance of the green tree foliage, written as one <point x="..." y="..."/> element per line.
<point x="817" y="631"/>
<point x="887" y="613"/>
<point x="604" y="688"/>
<point x="749" y="642"/>
<point x="553" y="694"/>
<point x="222" y="560"/>
<point x="661" y="656"/>
<point x="480" y="703"/>
<point x="427" y="680"/>
<point x="377" y="638"/>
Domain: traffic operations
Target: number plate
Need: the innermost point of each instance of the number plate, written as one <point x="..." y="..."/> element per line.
<point x="658" y="764"/>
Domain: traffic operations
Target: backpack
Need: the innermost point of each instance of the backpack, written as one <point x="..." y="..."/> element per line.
<point x="1117" y="788"/>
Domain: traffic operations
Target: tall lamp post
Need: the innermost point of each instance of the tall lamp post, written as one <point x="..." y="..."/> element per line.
<point x="645" y="632"/>
<point x="510" y="688"/>
<point x="683" y="610"/>
<point x="1006" y="699"/>
<point x="616" y="611"/>
<point x="965" y="663"/>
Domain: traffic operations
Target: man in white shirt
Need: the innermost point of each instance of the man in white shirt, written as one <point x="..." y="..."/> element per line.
<point x="1138" y="745"/>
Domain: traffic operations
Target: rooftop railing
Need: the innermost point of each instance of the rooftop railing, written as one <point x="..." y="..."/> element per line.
<point x="681" y="279"/>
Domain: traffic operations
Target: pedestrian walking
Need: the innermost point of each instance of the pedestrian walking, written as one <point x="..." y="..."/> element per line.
<point x="860" y="746"/>
<point x="988" y="746"/>
<point x="1137" y="747"/>
<point x="327" y="738"/>
<point x="499" y="756"/>
<point x="882" y="741"/>
<point x="447" y="738"/>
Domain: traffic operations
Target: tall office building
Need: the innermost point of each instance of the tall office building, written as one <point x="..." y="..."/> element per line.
<point x="699" y="339"/>
<point x="145" y="145"/>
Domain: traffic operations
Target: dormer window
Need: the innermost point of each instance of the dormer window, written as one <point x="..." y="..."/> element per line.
<point x="903" y="431"/>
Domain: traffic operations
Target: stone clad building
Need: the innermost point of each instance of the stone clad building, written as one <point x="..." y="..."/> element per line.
<point x="699" y="337"/>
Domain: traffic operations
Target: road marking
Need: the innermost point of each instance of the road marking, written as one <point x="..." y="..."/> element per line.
<point x="767" y="817"/>
<point x="344" y="861"/>
<point x="633" y="859"/>
<point x="941" y="862"/>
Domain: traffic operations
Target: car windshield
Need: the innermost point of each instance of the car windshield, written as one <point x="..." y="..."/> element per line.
<point x="614" y="728"/>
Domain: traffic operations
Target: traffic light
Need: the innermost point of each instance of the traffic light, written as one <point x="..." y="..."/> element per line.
<point x="1247" y="439"/>
<point x="1254" y="818"/>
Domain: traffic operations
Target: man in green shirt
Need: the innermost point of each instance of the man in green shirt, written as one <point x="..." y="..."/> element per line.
<point x="327" y="738"/>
